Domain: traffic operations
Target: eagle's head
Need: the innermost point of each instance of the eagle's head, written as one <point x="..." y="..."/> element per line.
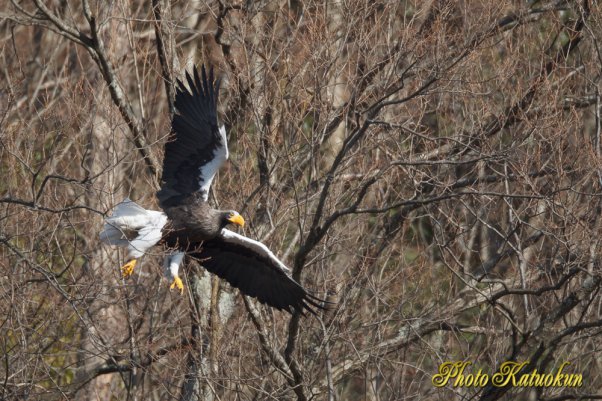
<point x="232" y="217"/>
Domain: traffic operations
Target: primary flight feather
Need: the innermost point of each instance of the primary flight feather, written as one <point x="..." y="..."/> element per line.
<point x="194" y="152"/>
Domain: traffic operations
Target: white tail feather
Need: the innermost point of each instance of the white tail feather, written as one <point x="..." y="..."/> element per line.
<point x="112" y="235"/>
<point x="143" y="227"/>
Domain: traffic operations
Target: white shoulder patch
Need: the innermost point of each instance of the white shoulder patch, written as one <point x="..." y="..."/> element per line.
<point x="256" y="246"/>
<point x="208" y="171"/>
<point x="224" y="148"/>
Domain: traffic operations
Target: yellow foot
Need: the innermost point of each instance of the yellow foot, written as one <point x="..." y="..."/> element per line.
<point x="177" y="283"/>
<point x="128" y="268"/>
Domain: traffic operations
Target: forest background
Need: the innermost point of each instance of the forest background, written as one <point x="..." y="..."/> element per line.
<point x="433" y="167"/>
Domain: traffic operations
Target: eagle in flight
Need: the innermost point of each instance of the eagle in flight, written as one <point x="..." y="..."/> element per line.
<point x="188" y="225"/>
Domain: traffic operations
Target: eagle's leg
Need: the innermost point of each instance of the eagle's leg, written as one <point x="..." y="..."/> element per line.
<point x="177" y="283"/>
<point x="128" y="268"/>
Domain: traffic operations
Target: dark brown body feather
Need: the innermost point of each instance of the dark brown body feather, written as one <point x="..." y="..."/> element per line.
<point x="192" y="221"/>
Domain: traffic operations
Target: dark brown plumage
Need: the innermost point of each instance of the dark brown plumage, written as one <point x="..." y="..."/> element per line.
<point x="195" y="151"/>
<point x="196" y="147"/>
<point x="255" y="275"/>
<point x="193" y="220"/>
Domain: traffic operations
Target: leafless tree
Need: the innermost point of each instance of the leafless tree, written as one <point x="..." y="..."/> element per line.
<point x="433" y="168"/>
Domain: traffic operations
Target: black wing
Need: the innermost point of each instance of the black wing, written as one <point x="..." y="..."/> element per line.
<point x="196" y="148"/>
<point x="249" y="266"/>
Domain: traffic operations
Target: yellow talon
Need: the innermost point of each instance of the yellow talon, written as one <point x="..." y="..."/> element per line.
<point x="177" y="282"/>
<point x="128" y="268"/>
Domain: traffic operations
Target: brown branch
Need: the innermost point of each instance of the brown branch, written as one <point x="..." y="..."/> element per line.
<point x="544" y="349"/>
<point x="35" y="206"/>
<point x="98" y="53"/>
<point x="264" y="339"/>
<point x="165" y="48"/>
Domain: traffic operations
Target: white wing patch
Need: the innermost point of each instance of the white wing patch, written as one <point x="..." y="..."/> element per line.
<point x="234" y="238"/>
<point x="172" y="263"/>
<point x="133" y="227"/>
<point x="220" y="155"/>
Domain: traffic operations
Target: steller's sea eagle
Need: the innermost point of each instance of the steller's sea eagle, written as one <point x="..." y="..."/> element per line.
<point x="194" y="152"/>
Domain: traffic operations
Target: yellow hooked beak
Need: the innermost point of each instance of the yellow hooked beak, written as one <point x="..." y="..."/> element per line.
<point x="237" y="219"/>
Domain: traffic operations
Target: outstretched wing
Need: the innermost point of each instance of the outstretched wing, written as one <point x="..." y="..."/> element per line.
<point x="252" y="268"/>
<point x="196" y="148"/>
